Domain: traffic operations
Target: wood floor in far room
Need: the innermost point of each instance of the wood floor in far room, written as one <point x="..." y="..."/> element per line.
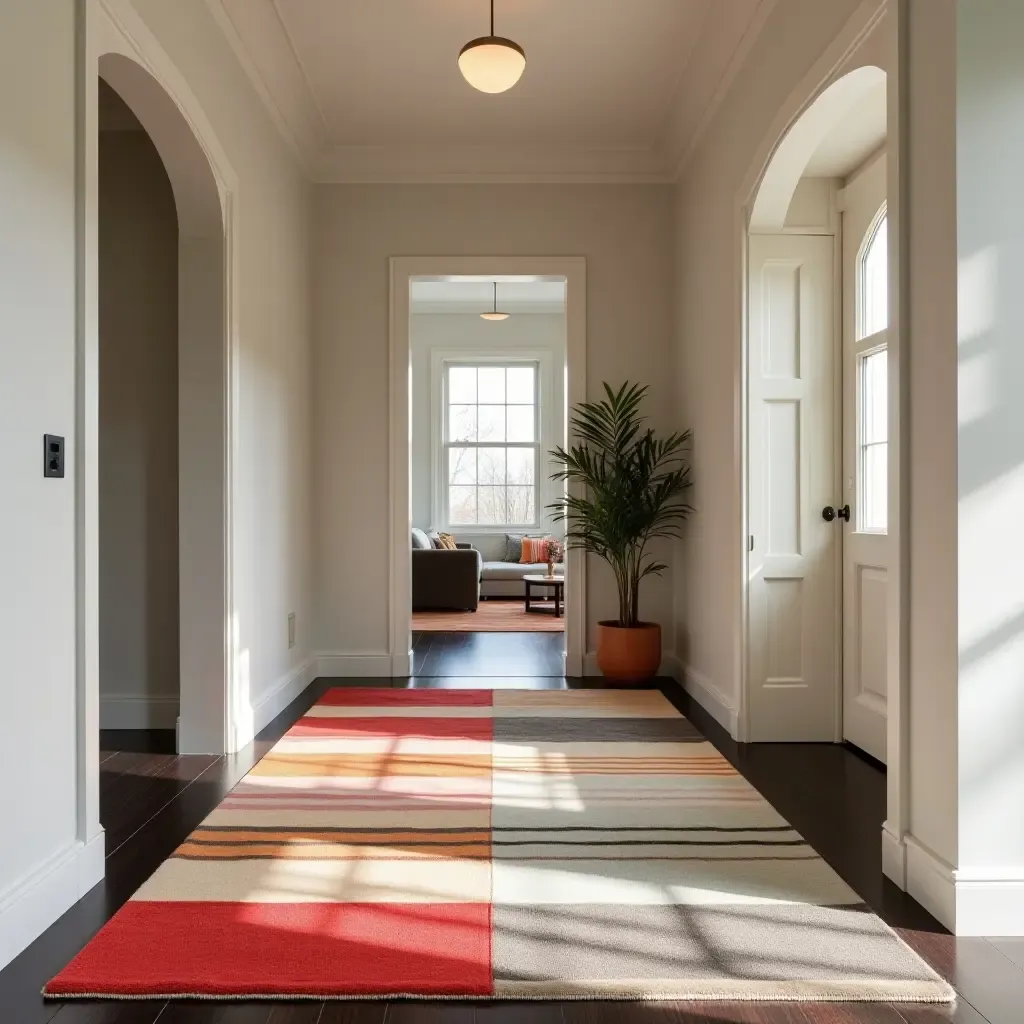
<point x="494" y="616"/>
<point x="152" y="799"/>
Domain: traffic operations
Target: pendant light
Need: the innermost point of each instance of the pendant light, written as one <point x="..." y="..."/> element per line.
<point x="492" y="63"/>
<point x="494" y="314"/>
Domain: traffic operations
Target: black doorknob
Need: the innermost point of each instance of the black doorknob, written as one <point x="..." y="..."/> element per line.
<point x="844" y="513"/>
<point x="828" y="513"/>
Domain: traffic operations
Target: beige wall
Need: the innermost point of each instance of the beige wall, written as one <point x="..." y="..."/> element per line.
<point x="272" y="552"/>
<point x="931" y="310"/>
<point x="708" y="233"/>
<point x="625" y="234"/>
<point x="138" y="435"/>
<point x="38" y="740"/>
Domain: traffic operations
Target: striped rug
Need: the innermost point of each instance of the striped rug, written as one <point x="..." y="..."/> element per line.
<point x="496" y="844"/>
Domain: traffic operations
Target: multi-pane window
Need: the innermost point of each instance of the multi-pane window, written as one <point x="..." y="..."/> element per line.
<point x="873" y="380"/>
<point x="873" y="446"/>
<point x="873" y="283"/>
<point x="491" y="446"/>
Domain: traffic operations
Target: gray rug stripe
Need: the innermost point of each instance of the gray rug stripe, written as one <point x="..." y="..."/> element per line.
<point x="550" y="729"/>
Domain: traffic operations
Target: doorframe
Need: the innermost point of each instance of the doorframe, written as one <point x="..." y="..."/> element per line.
<point x="843" y="56"/>
<point x="114" y="27"/>
<point x="402" y="269"/>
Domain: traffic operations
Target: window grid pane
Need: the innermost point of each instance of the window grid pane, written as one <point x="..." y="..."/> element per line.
<point x="492" y="445"/>
<point x="872" y="446"/>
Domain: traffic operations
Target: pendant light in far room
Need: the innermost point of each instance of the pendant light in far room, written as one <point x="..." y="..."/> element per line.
<point x="494" y="314"/>
<point x="492" y="63"/>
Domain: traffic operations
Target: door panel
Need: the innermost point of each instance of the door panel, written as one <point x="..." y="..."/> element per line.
<point x="794" y="555"/>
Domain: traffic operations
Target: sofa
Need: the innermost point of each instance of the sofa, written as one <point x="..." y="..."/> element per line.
<point x="501" y="578"/>
<point x="444" y="580"/>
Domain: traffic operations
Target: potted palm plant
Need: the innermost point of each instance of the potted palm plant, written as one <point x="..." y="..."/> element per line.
<point x="630" y="488"/>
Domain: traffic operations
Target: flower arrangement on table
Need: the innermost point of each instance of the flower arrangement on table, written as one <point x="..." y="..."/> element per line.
<point x="555" y="552"/>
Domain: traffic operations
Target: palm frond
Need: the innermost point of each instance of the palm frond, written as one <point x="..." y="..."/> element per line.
<point x="626" y="487"/>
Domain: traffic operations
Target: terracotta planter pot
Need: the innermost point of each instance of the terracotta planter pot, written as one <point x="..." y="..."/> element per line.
<point x="629" y="654"/>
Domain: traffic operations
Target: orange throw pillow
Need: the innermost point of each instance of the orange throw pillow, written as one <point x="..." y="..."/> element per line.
<point x="535" y="550"/>
<point x="447" y="541"/>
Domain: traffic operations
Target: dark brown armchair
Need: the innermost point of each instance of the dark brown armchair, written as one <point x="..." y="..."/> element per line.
<point x="446" y="580"/>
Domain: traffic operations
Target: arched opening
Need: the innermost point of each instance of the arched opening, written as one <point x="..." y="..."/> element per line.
<point x="200" y="362"/>
<point x="816" y="414"/>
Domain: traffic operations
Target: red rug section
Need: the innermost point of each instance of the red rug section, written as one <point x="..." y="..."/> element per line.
<point x="270" y="949"/>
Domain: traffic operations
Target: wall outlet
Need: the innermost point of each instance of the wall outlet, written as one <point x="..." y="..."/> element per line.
<point x="291" y="629"/>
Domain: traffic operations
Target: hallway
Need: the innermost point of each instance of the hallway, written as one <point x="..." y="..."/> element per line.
<point x="152" y="799"/>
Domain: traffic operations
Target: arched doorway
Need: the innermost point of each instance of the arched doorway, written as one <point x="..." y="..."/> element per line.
<point x="212" y="715"/>
<point x="817" y="554"/>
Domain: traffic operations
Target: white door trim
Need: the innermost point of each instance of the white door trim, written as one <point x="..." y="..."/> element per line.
<point x="839" y="58"/>
<point x="402" y="268"/>
<point x="113" y="28"/>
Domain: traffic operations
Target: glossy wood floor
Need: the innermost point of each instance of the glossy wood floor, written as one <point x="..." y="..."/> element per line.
<point x="151" y="800"/>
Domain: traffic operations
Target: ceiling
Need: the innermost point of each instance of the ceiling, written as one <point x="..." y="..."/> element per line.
<point x="369" y="90"/>
<point x="476" y="295"/>
<point x="857" y="135"/>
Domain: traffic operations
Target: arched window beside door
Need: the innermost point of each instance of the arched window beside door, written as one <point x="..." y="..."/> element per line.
<point x="872" y="304"/>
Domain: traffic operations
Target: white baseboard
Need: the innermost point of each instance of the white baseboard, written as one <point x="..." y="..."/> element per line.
<point x="282" y="693"/>
<point x="989" y="902"/>
<point x="339" y="665"/>
<point x="930" y="882"/>
<point x="32" y="904"/>
<point x="711" y="699"/>
<point x="968" y="901"/>
<point x="138" y="711"/>
<point x="894" y="857"/>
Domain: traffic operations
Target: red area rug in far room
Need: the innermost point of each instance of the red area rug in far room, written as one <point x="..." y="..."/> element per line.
<point x="514" y="844"/>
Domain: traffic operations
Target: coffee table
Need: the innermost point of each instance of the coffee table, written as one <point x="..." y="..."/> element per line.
<point x="538" y="580"/>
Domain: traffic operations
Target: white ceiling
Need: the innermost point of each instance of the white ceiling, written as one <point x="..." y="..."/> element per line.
<point x="861" y="132"/>
<point x="369" y="90"/>
<point x="468" y="295"/>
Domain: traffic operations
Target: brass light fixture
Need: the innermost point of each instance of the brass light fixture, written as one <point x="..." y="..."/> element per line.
<point x="492" y="63"/>
<point x="494" y="314"/>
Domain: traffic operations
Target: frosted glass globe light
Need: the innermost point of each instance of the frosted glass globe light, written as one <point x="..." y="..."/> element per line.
<point x="492" y="63"/>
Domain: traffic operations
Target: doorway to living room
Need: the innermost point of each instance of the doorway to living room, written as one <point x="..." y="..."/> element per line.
<point x="486" y="586"/>
<point x="487" y="407"/>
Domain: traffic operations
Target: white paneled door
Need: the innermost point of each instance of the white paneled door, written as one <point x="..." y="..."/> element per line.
<point x="794" y="552"/>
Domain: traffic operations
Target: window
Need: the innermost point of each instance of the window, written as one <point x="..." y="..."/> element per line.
<point x="491" y="444"/>
<point x="873" y="280"/>
<point x="873" y="379"/>
<point x="873" y="441"/>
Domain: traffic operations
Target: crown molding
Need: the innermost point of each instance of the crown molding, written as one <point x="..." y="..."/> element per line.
<point x="284" y="88"/>
<point x="686" y="128"/>
<point x="290" y="105"/>
<point x="490" y="164"/>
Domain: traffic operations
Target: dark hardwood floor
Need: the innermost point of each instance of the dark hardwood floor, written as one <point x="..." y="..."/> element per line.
<point x="151" y="799"/>
<point x="494" y="655"/>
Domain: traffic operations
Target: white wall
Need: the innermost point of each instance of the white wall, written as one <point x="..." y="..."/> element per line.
<point x="38" y="739"/>
<point x="467" y="332"/>
<point x="138" y="435"/>
<point x="708" y="295"/>
<point x="990" y="464"/>
<point x="625" y="234"/>
<point x="273" y="550"/>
